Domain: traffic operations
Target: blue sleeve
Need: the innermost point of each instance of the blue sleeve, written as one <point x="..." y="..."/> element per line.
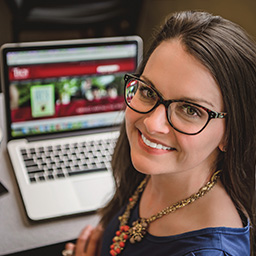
<point x="208" y="252"/>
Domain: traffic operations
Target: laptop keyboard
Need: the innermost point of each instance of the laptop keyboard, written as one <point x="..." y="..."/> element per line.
<point x="66" y="160"/>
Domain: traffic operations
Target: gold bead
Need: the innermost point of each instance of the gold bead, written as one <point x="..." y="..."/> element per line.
<point x="132" y="241"/>
<point x="116" y="238"/>
<point x="137" y="238"/>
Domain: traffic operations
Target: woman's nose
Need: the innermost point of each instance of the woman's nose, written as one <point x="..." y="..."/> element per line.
<point x="156" y="121"/>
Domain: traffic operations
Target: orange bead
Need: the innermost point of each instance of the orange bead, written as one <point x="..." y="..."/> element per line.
<point x="113" y="253"/>
<point x="122" y="244"/>
<point x="125" y="236"/>
<point x="118" y="250"/>
<point x="126" y="228"/>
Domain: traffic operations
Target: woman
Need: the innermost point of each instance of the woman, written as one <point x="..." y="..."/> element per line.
<point x="190" y="129"/>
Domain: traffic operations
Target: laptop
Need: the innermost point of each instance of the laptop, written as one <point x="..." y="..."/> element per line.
<point x="63" y="108"/>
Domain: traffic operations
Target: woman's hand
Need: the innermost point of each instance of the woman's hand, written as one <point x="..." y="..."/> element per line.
<point x="88" y="243"/>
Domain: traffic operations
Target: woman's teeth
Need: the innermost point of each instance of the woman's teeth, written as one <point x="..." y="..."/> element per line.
<point x="154" y="145"/>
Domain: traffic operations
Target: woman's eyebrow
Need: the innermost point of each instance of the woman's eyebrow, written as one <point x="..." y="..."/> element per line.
<point x="198" y="100"/>
<point x="190" y="99"/>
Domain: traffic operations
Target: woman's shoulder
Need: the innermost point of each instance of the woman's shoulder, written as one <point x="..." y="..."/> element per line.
<point x="215" y="241"/>
<point x="215" y="209"/>
<point x="218" y="241"/>
<point x="218" y="210"/>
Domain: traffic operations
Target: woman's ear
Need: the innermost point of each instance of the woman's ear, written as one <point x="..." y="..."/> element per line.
<point x="222" y="145"/>
<point x="222" y="148"/>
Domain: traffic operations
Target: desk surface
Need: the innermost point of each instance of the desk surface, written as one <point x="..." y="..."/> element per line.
<point x="17" y="232"/>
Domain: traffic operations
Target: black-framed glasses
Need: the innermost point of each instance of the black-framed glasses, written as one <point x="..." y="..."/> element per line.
<point x="184" y="116"/>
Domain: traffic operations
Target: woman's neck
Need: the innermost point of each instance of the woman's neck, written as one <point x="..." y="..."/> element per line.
<point x="166" y="189"/>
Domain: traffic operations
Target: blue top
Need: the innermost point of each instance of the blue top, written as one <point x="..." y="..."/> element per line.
<point x="217" y="241"/>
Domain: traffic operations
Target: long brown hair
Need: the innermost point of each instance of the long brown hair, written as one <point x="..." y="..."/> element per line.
<point x="229" y="54"/>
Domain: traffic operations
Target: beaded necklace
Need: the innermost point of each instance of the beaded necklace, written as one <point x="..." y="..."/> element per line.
<point x="139" y="228"/>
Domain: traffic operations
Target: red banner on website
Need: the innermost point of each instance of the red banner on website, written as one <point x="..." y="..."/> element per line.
<point x="70" y="69"/>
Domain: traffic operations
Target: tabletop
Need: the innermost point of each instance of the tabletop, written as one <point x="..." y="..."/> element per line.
<point x="17" y="232"/>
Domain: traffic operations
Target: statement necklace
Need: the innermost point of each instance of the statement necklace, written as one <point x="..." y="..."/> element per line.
<point x="139" y="228"/>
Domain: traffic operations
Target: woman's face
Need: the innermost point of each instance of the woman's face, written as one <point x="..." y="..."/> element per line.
<point x="176" y="75"/>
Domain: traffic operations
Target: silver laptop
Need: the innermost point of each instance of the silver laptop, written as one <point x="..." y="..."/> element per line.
<point x="64" y="105"/>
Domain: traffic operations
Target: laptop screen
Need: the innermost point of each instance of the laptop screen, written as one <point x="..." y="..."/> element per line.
<point x="68" y="85"/>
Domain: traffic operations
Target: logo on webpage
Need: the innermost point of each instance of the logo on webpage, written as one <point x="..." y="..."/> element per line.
<point x="20" y="73"/>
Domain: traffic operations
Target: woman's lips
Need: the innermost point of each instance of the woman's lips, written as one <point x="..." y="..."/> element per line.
<point x="154" y="146"/>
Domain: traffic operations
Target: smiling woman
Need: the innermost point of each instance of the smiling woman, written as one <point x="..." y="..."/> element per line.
<point x="168" y="66"/>
<point x="184" y="164"/>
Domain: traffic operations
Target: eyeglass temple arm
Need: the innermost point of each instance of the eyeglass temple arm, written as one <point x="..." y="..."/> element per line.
<point x="215" y="114"/>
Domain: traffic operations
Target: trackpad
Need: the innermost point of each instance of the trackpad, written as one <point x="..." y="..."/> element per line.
<point x="94" y="192"/>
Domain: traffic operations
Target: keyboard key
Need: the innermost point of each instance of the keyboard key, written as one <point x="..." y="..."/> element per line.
<point x="32" y="179"/>
<point x="42" y="178"/>
<point x="34" y="169"/>
<point x="50" y="177"/>
<point x="60" y="175"/>
<point x="78" y="171"/>
<point x="30" y="162"/>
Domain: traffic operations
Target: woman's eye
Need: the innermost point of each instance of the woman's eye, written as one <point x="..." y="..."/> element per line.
<point x="146" y="92"/>
<point x="191" y="110"/>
